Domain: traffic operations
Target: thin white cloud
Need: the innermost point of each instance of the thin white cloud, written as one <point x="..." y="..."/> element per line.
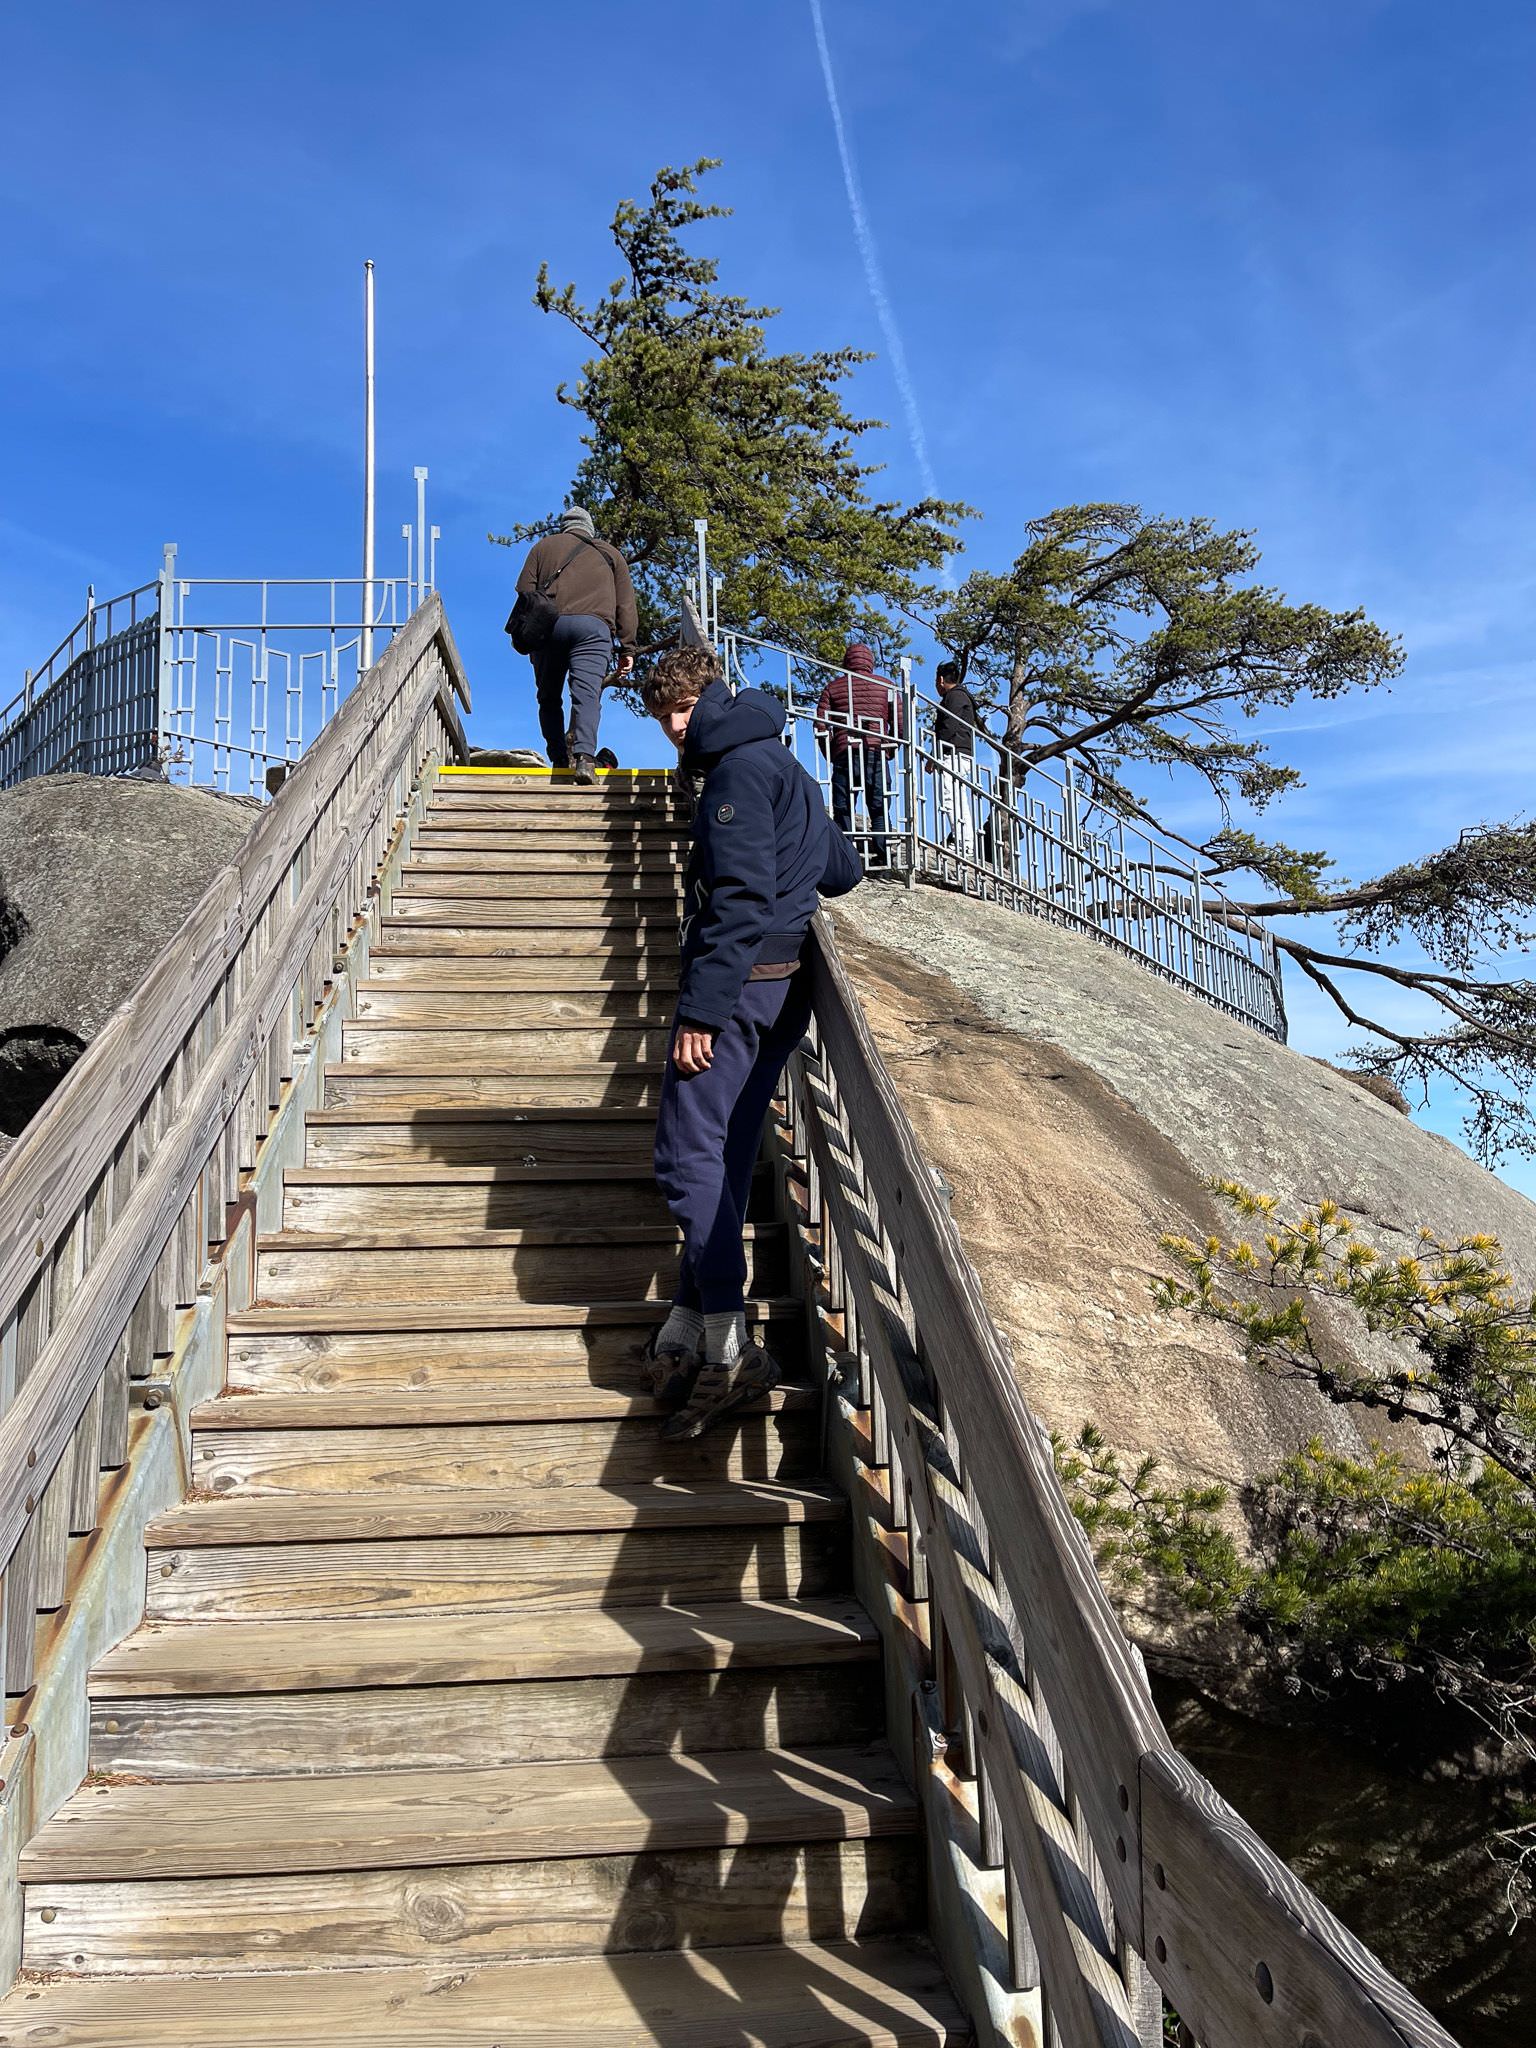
<point x="864" y="234"/>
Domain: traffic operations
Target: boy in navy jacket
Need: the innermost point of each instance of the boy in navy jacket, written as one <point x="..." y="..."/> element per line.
<point x="763" y="847"/>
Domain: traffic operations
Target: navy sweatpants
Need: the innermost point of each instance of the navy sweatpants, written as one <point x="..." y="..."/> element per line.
<point x="580" y="649"/>
<point x="708" y="1131"/>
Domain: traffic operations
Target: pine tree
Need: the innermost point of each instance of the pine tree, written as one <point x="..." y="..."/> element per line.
<point x="689" y="413"/>
<point x="1125" y="644"/>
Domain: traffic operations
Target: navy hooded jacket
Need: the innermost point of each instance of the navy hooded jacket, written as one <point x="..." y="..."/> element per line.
<point x="763" y="846"/>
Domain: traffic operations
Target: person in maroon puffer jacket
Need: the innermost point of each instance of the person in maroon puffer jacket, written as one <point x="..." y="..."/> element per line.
<point x="858" y="722"/>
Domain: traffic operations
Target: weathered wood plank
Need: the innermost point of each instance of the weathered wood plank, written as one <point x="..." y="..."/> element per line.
<point x="858" y="1995"/>
<point x="1247" y="1955"/>
<point x="532" y="1454"/>
<point x="508" y="1264"/>
<point x="698" y="1504"/>
<point x="374" y="1820"/>
<point x="356" y="1087"/>
<point x="389" y="1001"/>
<point x="437" y="1048"/>
<point x="530" y="1573"/>
<point x="189" y="1660"/>
<point x="457" y="1725"/>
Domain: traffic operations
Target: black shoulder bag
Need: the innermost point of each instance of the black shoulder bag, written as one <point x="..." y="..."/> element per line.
<point x="532" y="619"/>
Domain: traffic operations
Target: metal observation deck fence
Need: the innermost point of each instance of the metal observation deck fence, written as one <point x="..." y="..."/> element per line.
<point x="222" y="683"/>
<point x="1026" y="838"/>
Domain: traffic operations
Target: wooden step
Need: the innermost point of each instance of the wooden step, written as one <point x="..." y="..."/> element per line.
<point x="194" y="1525"/>
<point x="349" y="1085"/>
<point x="550" y="975"/>
<point x="435" y="1048"/>
<point x="869" y="1994"/>
<point x="623" y="947"/>
<point x="532" y="1402"/>
<point x="353" y="1460"/>
<point x="554" y="800"/>
<point x="297" y="1555"/>
<point x="614" y="885"/>
<point x="379" y="1820"/>
<point x="203" y="1660"/>
<point x="496" y="833"/>
<point x="471" y="1135"/>
<point x="503" y="1345"/>
<point x="354" y="1923"/>
<point x="525" y="855"/>
<point x="556" y="821"/>
<point x="455" y="1725"/>
<point x="582" y="1264"/>
<point x="384" y="1000"/>
<point x="652" y="919"/>
<point x="372" y="1200"/>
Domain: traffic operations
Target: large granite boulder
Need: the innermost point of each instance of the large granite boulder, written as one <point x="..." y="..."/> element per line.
<point x="96" y="875"/>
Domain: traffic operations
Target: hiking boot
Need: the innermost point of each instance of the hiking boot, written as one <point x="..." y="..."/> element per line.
<point x="584" y="769"/>
<point x="667" y="1375"/>
<point x="719" y="1389"/>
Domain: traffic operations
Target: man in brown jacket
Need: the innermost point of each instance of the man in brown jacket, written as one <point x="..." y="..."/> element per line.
<point x="588" y="582"/>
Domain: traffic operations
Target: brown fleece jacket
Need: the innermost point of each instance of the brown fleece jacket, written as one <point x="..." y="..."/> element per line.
<point x="595" y="585"/>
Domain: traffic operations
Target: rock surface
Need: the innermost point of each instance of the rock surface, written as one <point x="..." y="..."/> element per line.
<point x="96" y="875"/>
<point x="1075" y="1103"/>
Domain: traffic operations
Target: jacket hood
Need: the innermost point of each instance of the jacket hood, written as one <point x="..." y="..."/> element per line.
<point x="859" y="658"/>
<point x="721" y="721"/>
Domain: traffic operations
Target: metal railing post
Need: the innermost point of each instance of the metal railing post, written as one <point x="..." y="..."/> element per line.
<point x="421" y="536"/>
<point x="165" y="660"/>
<point x="701" y="534"/>
<point x="909" y="757"/>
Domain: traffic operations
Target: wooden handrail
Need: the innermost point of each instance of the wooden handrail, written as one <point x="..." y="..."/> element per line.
<point x="111" y="1198"/>
<point x="1119" y="1855"/>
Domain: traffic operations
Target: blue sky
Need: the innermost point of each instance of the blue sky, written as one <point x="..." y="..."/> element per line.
<point x="1270" y="263"/>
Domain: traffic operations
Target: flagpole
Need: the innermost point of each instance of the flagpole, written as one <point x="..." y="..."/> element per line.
<point x="365" y="649"/>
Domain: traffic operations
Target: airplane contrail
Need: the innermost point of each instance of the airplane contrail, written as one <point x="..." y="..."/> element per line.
<point x="865" y="236"/>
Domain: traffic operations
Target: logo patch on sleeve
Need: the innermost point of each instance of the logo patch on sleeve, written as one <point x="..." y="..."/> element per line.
<point x="725" y="814"/>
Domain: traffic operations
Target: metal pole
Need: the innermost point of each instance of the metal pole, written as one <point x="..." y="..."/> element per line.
<point x="406" y="534"/>
<point x="421" y="535"/>
<point x="435" y="536"/>
<point x="701" y="530"/>
<point x="909" y="753"/>
<point x="365" y="644"/>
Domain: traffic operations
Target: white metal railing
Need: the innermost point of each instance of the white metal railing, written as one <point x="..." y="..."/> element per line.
<point x="251" y="668"/>
<point x="981" y="821"/>
<point x="220" y="682"/>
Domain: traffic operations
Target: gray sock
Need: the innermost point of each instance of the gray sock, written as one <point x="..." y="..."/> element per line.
<point x="682" y="1331"/>
<point x="725" y="1335"/>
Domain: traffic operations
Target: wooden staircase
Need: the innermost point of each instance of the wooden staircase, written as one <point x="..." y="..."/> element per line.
<point x="462" y="1710"/>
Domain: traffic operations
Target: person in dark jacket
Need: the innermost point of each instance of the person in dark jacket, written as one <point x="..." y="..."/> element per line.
<point x="589" y="582"/>
<point x="954" y="741"/>
<point x="858" y="722"/>
<point x="763" y="848"/>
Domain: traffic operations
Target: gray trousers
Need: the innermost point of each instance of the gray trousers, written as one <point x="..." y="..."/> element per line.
<point x="578" y="651"/>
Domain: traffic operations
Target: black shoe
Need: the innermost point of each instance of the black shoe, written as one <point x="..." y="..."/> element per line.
<point x="584" y="770"/>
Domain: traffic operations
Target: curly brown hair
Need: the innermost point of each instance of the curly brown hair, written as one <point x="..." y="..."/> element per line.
<point x="682" y="675"/>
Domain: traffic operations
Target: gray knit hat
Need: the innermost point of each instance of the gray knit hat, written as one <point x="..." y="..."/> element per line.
<point x="576" y="519"/>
